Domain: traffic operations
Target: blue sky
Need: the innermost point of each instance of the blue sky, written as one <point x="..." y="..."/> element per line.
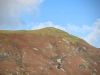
<point x="77" y="17"/>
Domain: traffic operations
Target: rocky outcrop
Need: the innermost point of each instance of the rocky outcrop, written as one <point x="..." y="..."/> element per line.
<point x="6" y="55"/>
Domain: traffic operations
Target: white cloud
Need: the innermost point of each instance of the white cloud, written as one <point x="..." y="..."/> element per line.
<point x="91" y="33"/>
<point x="82" y="29"/>
<point x="11" y="9"/>
<point x="46" y="24"/>
<point x="94" y="37"/>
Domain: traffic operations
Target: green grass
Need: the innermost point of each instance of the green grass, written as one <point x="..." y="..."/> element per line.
<point x="45" y="31"/>
<point x="56" y="32"/>
<point x="2" y="32"/>
<point x="19" y="62"/>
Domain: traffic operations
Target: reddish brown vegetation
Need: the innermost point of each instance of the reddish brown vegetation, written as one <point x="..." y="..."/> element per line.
<point x="37" y="54"/>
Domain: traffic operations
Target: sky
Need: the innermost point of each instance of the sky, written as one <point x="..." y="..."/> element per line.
<point x="77" y="17"/>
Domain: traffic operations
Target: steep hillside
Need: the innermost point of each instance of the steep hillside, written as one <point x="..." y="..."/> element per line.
<point x="48" y="51"/>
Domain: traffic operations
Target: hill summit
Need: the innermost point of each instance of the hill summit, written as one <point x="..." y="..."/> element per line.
<point x="47" y="51"/>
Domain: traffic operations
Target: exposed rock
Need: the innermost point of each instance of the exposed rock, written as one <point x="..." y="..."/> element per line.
<point x="81" y="49"/>
<point x="5" y="55"/>
<point x="59" y="61"/>
<point x="66" y="41"/>
<point x="36" y="49"/>
<point x="94" y="73"/>
<point x="49" y="46"/>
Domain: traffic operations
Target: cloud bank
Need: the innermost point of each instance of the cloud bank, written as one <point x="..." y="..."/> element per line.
<point x="11" y="9"/>
<point x="94" y="37"/>
<point x="92" y="32"/>
<point x="82" y="29"/>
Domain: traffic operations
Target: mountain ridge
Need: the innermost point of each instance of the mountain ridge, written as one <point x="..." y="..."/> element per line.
<point x="46" y="51"/>
<point x="47" y="30"/>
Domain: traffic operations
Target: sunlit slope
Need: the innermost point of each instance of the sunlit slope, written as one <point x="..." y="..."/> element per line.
<point x="47" y="51"/>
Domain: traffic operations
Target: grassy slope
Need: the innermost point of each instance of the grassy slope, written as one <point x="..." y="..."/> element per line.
<point x="50" y="31"/>
<point x="44" y="31"/>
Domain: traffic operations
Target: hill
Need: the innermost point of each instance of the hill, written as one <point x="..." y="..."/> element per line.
<point x="47" y="51"/>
